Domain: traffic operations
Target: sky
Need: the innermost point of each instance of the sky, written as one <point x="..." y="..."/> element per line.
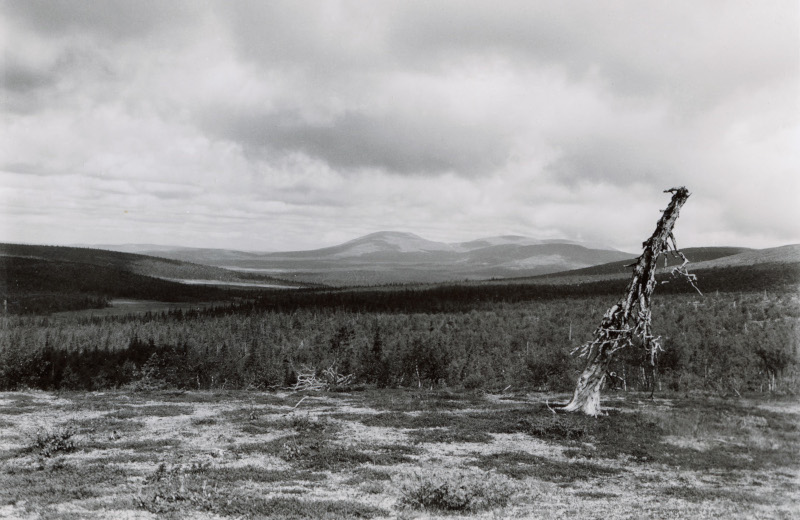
<point x="290" y="125"/>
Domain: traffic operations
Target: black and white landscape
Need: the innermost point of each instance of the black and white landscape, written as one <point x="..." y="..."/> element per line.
<point x="399" y="259"/>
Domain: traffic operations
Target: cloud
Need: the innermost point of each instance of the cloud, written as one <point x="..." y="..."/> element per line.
<point x="282" y="125"/>
<point x="689" y="53"/>
<point x="112" y="19"/>
<point x="416" y="143"/>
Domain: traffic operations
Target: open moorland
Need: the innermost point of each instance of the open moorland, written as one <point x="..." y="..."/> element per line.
<point x="393" y="454"/>
<point x="129" y="396"/>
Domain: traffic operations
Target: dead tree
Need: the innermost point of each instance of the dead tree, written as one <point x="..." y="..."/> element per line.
<point x="629" y="320"/>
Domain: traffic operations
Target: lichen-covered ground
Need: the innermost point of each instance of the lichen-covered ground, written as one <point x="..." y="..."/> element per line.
<point x="393" y="454"/>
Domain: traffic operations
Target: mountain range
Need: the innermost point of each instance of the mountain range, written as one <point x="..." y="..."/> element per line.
<point x="398" y="257"/>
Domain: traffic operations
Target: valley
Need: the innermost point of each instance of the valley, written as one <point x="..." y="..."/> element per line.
<point x="228" y="399"/>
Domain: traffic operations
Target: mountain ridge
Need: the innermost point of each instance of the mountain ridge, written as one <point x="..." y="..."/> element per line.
<point x="399" y="241"/>
<point x="387" y="257"/>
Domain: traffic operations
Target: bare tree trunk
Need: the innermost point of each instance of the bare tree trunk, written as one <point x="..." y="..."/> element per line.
<point x="631" y="316"/>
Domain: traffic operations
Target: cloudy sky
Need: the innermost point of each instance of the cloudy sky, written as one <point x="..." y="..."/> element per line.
<point x="301" y="124"/>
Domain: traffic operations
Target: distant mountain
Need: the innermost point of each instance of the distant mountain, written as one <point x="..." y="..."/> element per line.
<point x="400" y="257"/>
<point x="381" y="244"/>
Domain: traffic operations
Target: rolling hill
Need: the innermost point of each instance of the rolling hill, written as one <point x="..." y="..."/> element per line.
<point x="714" y="262"/>
<point x="397" y="257"/>
<point x="50" y="278"/>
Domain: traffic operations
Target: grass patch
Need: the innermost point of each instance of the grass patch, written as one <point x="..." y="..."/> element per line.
<point x="171" y="492"/>
<point x="596" y="495"/>
<point x="256" y="474"/>
<point x="447" y="435"/>
<point x="19" y="410"/>
<point x="204" y="421"/>
<point x="700" y="494"/>
<point x="24" y="401"/>
<point x="250" y="416"/>
<point x="272" y="447"/>
<point x="520" y="465"/>
<point x="456" y="492"/>
<point x="12" y="453"/>
<point x="402" y="400"/>
<point x="476" y="426"/>
<point x="59" y="483"/>
<point x="155" y="410"/>
<point x="126" y="458"/>
<point x="294" y="509"/>
<point x="367" y="475"/>
<point x="139" y="445"/>
<point x="255" y="429"/>
<point x="557" y="427"/>
<point x="87" y="401"/>
<point x="303" y="424"/>
<point x="107" y="425"/>
<point x="148" y="444"/>
<point x="317" y="456"/>
<point x="761" y="439"/>
<point x="311" y="445"/>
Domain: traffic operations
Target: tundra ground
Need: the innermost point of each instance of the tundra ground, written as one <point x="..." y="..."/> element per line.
<point x="393" y="454"/>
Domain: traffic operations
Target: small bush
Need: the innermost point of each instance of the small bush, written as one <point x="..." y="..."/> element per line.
<point x="465" y="491"/>
<point x="168" y="490"/>
<point x="52" y="441"/>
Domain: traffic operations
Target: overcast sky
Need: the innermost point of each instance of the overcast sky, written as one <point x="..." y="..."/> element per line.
<point x="300" y="124"/>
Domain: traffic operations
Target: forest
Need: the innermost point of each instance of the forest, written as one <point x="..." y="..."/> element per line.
<point x="481" y="336"/>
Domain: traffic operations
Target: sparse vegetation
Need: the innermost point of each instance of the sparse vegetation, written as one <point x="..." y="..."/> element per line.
<point x="49" y="441"/>
<point x="710" y="456"/>
<point x="462" y="491"/>
<point x="520" y="465"/>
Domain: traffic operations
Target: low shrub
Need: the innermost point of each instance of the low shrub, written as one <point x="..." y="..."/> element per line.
<point x="463" y="491"/>
<point x="47" y="442"/>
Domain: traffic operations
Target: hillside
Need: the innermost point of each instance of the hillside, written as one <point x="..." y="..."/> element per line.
<point x="694" y="254"/>
<point x="51" y="278"/>
<point x="139" y="264"/>
<point x="772" y="266"/>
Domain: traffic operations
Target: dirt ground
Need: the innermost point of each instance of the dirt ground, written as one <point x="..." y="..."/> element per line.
<point x="393" y="454"/>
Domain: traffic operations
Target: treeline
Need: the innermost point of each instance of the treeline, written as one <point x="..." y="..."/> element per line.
<point x="447" y="298"/>
<point x="725" y="342"/>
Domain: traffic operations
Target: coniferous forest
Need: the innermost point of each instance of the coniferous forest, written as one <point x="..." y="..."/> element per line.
<point x="742" y="336"/>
